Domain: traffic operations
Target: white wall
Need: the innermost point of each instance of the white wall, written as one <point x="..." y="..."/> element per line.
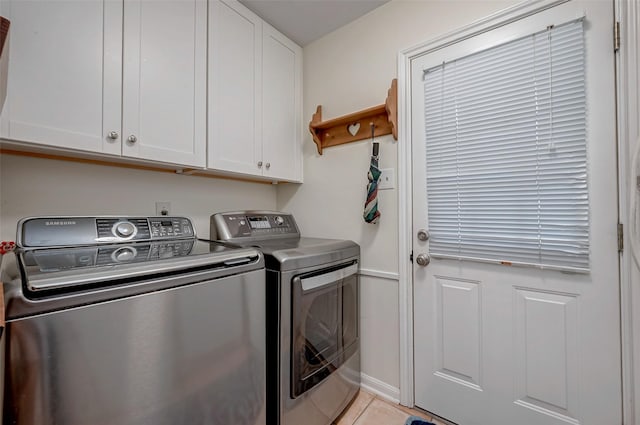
<point x="34" y="186"/>
<point x="346" y="71"/>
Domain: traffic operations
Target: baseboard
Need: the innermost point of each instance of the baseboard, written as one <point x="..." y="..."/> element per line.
<point x="379" y="388"/>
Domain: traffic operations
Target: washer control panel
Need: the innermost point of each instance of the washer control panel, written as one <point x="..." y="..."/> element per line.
<point x="150" y="228"/>
<point x="171" y="227"/>
<point x="73" y="231"/>
<point x="249" y="225"/>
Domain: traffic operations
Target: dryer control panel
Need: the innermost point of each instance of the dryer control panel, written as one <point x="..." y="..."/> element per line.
<point x="253" y="225"/>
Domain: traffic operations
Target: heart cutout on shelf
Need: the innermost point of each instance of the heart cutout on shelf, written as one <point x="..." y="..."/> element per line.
<point x="354" y="128"/>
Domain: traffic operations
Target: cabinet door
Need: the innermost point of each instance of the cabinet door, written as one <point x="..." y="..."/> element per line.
<point x="64" y="79"/>
<point x="282" y="131"/>
<point x="235" y="56"/>
<point x="164" y="84"/>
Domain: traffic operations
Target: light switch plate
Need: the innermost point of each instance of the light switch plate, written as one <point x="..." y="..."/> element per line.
<point x="387" y="179"/>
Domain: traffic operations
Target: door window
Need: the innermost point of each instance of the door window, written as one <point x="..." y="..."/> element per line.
<point x="506" y="152"/>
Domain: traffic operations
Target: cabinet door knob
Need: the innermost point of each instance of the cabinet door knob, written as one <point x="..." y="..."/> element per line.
<point x="113" y="135"/>
<point x="132" y="139"/>
<point x="259" y="164"/>
<point x="267" y="165"/>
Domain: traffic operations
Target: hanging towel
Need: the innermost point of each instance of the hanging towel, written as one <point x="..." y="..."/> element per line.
<point x="371" y="213"/>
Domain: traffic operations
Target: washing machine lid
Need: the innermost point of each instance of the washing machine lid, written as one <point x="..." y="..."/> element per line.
<point x="76" y="268"/>
<point x="43" y="280"/>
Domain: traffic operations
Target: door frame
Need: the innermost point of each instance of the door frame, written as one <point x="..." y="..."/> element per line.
<point x="624" y="11"/>
<point x="627" y="13"/>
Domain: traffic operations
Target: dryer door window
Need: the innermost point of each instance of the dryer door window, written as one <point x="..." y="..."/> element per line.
<point x="325" y="324"/>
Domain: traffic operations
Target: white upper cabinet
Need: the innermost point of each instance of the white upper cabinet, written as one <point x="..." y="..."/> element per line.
<point x="235" y="107"/>
<point x="255" y="96"/>
<point x="165" y="70"/>
<point x="282" y="106"/>
<point x="76" y="82"/>
<point x="64" y="82"/>
<point x="182" y="82"/>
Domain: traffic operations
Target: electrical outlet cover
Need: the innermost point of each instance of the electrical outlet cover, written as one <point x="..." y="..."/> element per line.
<point x="387" y="179"/>
<point x="163" y="208"/>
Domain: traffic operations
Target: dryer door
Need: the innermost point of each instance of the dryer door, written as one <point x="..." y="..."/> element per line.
<point x="325" y="324"/>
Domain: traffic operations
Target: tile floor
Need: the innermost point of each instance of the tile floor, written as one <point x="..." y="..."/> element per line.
<point x="369" y="409"/>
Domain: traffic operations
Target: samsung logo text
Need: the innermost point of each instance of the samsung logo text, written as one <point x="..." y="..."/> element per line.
<point x="60" y="223"/>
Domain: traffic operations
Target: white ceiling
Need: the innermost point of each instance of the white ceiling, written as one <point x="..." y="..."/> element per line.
<point x="304" y="21"/>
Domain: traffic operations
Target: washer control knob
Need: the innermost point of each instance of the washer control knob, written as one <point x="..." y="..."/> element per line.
<point x="124" y="229"/>
<point x="279" y="220"/>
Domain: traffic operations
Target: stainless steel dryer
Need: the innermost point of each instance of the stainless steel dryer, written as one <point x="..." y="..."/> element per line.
<point x="132" y="321"/>
<point x="313" y="349"/>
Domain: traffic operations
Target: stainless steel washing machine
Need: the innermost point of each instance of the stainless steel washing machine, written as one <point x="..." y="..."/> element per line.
<point x="131" y="321"/>
<point x="313" y="333"/>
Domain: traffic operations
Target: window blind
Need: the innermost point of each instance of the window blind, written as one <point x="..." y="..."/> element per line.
<point x="506" y="151"/>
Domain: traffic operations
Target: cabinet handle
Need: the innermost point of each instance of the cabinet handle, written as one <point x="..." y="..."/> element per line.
<point x="113" y="135"/>
<point x="267" y="165"/>
<point x="132" y="139"/>
<point x="259" y="164"/>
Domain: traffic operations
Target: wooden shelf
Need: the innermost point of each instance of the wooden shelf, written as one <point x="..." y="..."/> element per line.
<point x="356" y="126"/>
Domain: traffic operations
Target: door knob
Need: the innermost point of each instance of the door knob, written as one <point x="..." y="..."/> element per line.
<point x="423" y="260"/>
<point x="113" y="135"/>
<point x="423" y="235"/>
<point x="267" y="165"/>
<point x="132" y="139"/>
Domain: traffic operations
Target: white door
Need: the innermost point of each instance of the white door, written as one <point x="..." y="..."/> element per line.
<point x="65" y="66"/>
<point x="235" y="88"/>
<point x="281" y="100"/>
<point x="501" y="344"/>
<point x="164" y="81"/>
